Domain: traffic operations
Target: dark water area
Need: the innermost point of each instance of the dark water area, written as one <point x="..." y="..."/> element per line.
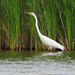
<point x="37" y="63"/>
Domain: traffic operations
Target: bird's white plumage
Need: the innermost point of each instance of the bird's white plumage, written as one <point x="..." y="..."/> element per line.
<point x="47" y="41"/>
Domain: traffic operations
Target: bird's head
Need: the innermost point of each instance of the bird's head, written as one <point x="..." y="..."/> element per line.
<point x="30" y="13"/>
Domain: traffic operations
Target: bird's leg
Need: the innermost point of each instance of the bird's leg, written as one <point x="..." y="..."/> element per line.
<point x="50" y="47"/>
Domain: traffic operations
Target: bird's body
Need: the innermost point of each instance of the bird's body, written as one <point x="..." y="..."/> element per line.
<point x="47" y="41"/>
<point x="51" y="43"/>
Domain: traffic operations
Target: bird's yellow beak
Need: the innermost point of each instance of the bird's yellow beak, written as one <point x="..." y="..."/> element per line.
<point x="27" y="12"/>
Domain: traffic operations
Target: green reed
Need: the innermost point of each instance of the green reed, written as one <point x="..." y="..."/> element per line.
<point x="0" y="36"/>
<point x="23" y="24"/>
<point x="11" y="22"/>
<point x="73" y="23"/>
<point x="0" y="27"/>
<point x="67" y="22"/>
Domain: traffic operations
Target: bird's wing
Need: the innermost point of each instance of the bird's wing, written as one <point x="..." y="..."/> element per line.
<point x="49" y="42"/>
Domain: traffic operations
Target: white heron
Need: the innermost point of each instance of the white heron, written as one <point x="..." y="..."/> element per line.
<point x="47" y="41"/>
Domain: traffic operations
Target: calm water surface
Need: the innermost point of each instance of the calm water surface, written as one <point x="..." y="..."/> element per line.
<point x="32" y="63"/>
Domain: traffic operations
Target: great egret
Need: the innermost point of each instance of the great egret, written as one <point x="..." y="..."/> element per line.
<point x="47" y="41"/>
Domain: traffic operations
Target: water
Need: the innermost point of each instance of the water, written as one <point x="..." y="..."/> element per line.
<point x="32" y="63"/>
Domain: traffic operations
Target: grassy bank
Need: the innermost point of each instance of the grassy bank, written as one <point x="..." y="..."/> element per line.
<point x="18" y="31"/>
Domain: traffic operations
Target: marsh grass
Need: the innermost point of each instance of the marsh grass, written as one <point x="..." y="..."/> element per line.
<point x="0" y="36"/>
<point x="11" y="23"/>
<point x="56" y="20"/>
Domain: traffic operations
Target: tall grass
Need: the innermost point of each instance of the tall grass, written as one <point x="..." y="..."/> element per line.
<point x="0" y="27"/>
<point x="0" y="36"/>
<point x="56" y="20"/>
<point x="67" y="21"/>
<point x="73" y="24"/>
<point x="11" y="23"/>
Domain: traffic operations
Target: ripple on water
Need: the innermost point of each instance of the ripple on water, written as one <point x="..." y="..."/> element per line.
<point x="38" y="65"/>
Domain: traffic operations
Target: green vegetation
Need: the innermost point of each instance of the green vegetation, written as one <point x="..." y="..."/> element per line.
<point x="18" y="31"/>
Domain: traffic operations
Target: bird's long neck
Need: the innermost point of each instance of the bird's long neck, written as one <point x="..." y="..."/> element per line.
<point x="37" y="26"/>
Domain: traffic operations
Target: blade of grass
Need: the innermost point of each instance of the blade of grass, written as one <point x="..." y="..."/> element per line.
<point x="68" y="23"/>
<point x="73" y="22"/>
<point x="0" y="36"/>
<point x="0" y="26"/>
<point x="30" y="8"/>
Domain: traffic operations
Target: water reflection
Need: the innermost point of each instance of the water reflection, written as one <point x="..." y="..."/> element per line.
<point x="32" y="63"/>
